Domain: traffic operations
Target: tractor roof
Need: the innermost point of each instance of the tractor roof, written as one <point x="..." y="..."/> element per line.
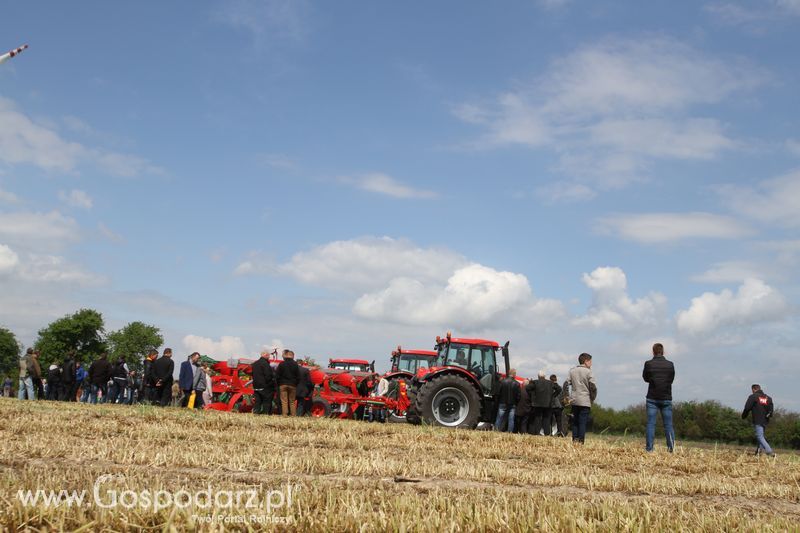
<point x="351" y="361"/>
<point x="473" y="342"/>
<point x="420" y="352"/>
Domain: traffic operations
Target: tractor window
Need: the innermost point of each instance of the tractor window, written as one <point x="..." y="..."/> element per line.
<point x="412" y="363"/>
<point x="482" y="365"/>
<point x="456" y="355"/>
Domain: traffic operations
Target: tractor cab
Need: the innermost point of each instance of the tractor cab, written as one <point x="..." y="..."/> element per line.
<point x="409" y="361"/>
<point x="476" y="356"/>
<point x="352" y="365"/>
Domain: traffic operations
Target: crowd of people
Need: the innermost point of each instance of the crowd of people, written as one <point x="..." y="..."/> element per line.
<point x="538" y="406"/>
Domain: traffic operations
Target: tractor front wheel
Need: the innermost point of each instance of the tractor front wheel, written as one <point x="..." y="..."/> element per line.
<point x="449" y="400"/>
<point x="320" y="408"/>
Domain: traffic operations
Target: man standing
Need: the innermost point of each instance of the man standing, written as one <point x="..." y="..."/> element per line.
<point x="507" y="398"/>
<point x="584" y="392"/>
<point x="305" y="388"/>
<point x="761" y="406"/>
<point x="82" y="381"/>
<point x="162" y="374"/>
<point x="99" y="374"/>
<point x="523" y="409"/>
<point x="35" y="371"/>
<point x="556" y="409"/>
<point x="186" y="377"/>
<point x="147" y="390"/>
<point x="68" y="378"/>
<point x="541" y="395"/>
<point x="660" y="374"/>
<point x="288" y="376"/>
<point x="263" y="385"/>
<point x="25" y="390"/>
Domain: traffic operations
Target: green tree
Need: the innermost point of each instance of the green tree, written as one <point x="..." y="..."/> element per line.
<point x="9" y="353"/>
<point x="82" y="331"/>
<point x="133" y="343"/>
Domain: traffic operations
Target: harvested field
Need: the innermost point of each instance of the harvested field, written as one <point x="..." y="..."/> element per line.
<point x="353" y="476"/>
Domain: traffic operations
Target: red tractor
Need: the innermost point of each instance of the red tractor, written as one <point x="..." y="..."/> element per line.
<point x="405" y="364"/>
<point x="460" y="387"/>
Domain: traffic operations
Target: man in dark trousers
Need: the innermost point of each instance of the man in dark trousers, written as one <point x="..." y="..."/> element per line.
<point x="540" y="392"/>
<point x="263" y="385"/>
<point x="148" y="382"/>
<point x="288" y="376"/>
<point x="523" y="409"/>
<point x="162" y="373"/>
<point x="186" y="377"/>
<point x="761" y="406"/>
<point x="659" y="373"/>
<point x="507" y="400"/>
<point x="305" y="388"/>
<point x="99" y="374"/>
<point x="68" y="387"/>
<point x="556" y="409"/>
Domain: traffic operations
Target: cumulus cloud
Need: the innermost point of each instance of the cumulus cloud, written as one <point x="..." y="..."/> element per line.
<point x="612" y="308"/>
<point x="773" y="201"/>
<point x="8" y="259"/>
<point x="76" y="198"/>
<point x="25" y="141"/>
<point x="473" y="297"/>
<point x="610" y="108"/>
<point x="222" y="349"/>
<point x="386" y="185"/>
<point x="7" y="197"/>
<point x="651" y="228"/>
<point x="753" y="302"/>
<point x="42" y="268"/>
<point x="361" y="264"/>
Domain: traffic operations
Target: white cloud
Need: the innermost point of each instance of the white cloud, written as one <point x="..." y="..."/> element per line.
<point x="773" y="201"/>
<point x="257" y="263"/>
<point x="368" y="263"/>
<point x="566" y="192"/>
<point x="76" y="198"/>
<point x="729" y="272"/>
<point x="37" y="229"/>
<point x="475" y="296"/>
<point x="386" y="185"/>
<point x="609" y="108"/>
<point x="7" y="197"/>
<point x="651" y="228"/>
<point x="612" y="308"/>
<point x="8" y="259"/>
<point x="24" y="141"/>
<point x="109" y="234"/>
<point x="222" y="349"/>
<point x="753" y="302"/>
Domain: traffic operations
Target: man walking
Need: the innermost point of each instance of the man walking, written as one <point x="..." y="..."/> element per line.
<point x="541" y="394"/>
<point x="162" y="374"/>
<point x="507" y="398"/>
<point x="584" y="392"/>
<point x="761" y="406"/>
<point x="263" y="385"/>
<point x="288" y="376"/>
<point x="659" y="373"/>
<point x="186" y="377"/>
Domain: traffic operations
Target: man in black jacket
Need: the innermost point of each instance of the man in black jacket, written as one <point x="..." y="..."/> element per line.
<point x="288" y="376"/>
<point x="99" y="374"/>
<point x="523" y="409"/>
<point x="305" y="389"/>
<point x="163" y="368"/>
<point x="263" y="385"/>
<point x="761" y="406"/>
<point x="540" y="392"/>
<point x="659" y="373"/>
<point x="507" y="399"/>
<point x="556" y="409"/>
<point x="148" y="382"/>
<point x="68" y="387"/>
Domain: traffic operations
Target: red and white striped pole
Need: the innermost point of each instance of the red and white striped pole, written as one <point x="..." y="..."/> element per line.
<point x="12" y="53"/>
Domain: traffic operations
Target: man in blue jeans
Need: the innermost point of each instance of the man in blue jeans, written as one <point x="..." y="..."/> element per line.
<point x="659" y="373"/>
<point x="507" y="399"/>
<point x="760" y="404"/>
<point x="584" y="392"/>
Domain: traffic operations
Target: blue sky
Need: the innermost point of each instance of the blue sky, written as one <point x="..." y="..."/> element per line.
<point x="341" y="178"/>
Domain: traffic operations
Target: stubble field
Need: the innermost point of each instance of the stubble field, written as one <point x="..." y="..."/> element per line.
<point x="355" y="476"/>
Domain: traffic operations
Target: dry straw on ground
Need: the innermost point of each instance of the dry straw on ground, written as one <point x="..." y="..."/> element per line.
<point x="355" y="476"/>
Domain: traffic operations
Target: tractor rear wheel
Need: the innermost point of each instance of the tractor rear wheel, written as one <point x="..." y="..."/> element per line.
<point x="449" y="400"/>
<point x="320" y="408"/>
<point x="412" y="414"/>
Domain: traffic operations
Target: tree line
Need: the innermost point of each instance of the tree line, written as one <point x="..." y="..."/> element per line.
<point x="701" y="421"/>
<point x="83" y="333"/>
